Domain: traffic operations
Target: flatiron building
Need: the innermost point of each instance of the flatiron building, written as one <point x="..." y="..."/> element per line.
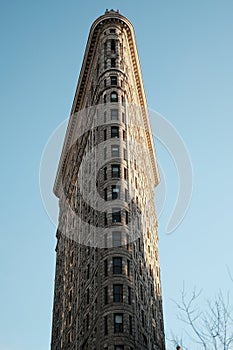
<point x="107" y="284"/>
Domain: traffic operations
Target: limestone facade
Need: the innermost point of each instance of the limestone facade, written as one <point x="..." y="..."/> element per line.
<point x="107" y="284"/>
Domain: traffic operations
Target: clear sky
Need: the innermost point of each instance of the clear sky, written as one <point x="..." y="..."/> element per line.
<point x="186" y="55"/>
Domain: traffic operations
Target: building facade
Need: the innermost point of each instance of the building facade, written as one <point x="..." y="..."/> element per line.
<point x="107" y="284"/>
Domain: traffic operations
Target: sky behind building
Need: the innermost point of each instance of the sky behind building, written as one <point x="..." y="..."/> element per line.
<point x="186" y="55"/>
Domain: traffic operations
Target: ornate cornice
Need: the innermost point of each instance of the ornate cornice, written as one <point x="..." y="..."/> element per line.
<point x="79" y="98"/>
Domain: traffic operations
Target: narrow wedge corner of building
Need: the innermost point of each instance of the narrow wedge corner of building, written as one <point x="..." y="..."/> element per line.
<point x="107" y="293"/>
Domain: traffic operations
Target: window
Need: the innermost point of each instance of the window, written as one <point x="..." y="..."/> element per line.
<point x="105" y="173"/>
<point x="115" y="151"/>
<point x="112" y="31"/>
<point x="125" y="154"/>
<point x="105" y="98"/>
<point x="88" y="271"/>
<point x="105" y="295"/>
<point x="105" y="194"/>
<point x="113" y="80"/>
<point x="114" y="132"/>
<point x="123" y="117"/>
<point x="116" y="239"/>
<point x="117" y="265"/>
<point x="125" y="174"/>
<point x="116" y="215"/>
<point x="113" y="46"/>
<point x="105" y="267"/>
<point x="115" y="170"/>
<point x="113" y="62"/>
<point x="88" y="296"/>
<point x="124" y="135"/>
<point x="105" y="134"/>
<point x="105" y="219"/>
<point x="105" y="82"/>
<point x="118" y="293"/>
<point x="113" y="97"/>
<point x="119" y="347"/>
<point x="105" y="153"/>
<point x="129" y="295"/>
<point x="114" y="114"/>
<point x="126" y="217"/>
<point x="115" y="192"/>
<point x="118" y="323"/>
<point x="106" y="325"/>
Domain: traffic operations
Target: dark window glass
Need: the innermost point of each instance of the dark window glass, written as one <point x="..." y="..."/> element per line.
<point x="112" y="31"/>
<point x="116" y="170"/>
<point x="113" y="46"/>
<point x="117" y="265"/>
<point x="105" y="98"/>
<point x="118" y="323"/>
<point x="125" y="174"/>
<point x="119" y="347"/>
<point x="116" y="215"/>
<point x="114" y="114"/>
<point x="105" y="219"/>
<point x="126" y="217"/>
<point x="115" y="151"/>
<point x="105" y="173"/>
<point x="115" y="192"/>
<point x="105" y="134"/>
<point x="116" y="237"/>
<point x="105" y="194"/>
<point x="113" y="80"/>
<point x="114" y="97"/>
<point x="118" y="293"/>
<point x="114" y="132"/>
<point x="113" y="62"/>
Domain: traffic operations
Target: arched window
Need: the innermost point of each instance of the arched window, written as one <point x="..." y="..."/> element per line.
<point x="114" y="97"/>
<point x="105" y="98"/>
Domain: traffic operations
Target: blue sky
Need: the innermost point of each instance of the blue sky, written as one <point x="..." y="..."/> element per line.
<point x="186" y="55"/>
